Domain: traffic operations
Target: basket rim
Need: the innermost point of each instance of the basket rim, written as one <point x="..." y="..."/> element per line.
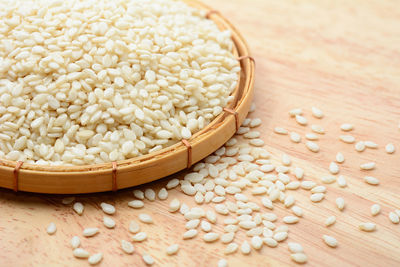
<point x="153" y="156"/>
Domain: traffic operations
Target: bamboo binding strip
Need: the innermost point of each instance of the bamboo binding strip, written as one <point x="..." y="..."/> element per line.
<point x="139" y="170"/>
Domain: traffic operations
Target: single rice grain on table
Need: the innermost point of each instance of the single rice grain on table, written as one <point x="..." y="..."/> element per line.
<point x="295" y="111"/>
<point x="95" y="258"/>
<point x="316" y="112"/>
<point x="330" y="241"/>
<point x="80" y="253"/>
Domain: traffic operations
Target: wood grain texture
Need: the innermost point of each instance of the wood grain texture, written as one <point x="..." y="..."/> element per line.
<point x="341" y="56"/>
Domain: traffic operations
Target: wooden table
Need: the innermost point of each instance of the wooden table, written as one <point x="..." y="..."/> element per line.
<point x="341" y="56"/>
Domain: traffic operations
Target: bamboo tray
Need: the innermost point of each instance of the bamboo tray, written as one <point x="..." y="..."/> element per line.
<point x="150" y="167"/>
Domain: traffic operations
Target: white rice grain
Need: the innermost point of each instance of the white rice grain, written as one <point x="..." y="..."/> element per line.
<point x="295" y="111"/>
<point x="67" y="200"/>
<point x="290" y="219"/>
<point x="330" y="221"/>
<point x="190" y="234"/>
<point x="95" y="258"/>
<point x="370" y="144"/>
<point x="339" y="157"/>
<point x="280" y="130"/>
<point x="231" y="248"/>
<point x="312" y="146"/>
<point x="89" y="232"/>
<point x="347" y="139"/>
<point x="340" y="203"/>
<point x="75" y="242"/>
<point x="371" y="180"/>
<point x="317" y="129"/>
<point x="299" y="173"/>
<point x="80" y="253"/>
<point x="192" y="224"/>
<point x="333" y="168"/>
<point x="317" y="197"/>
<point x="299" y="257"/>
<point x="317" y="113"/>
<point x="341" y="180"/>
<point x="147" y="259"/>
<point x="162" y="194"/>
<point x="256" y="242"/>
<point x="295" y="247"/>
<point x="390" y="149"/>
<point x="367" y="226"/>
<point x="172" y="183"/>
<point x="359" y="146"/>
<point x="51" y="228"/>
<point x="255" y="122"/>
<point x="286" y="160"/>
<point x="134" y="227"/>
<point x="149" y="194"/>
<point x="172" y="250"/>
<point x="308" y="185"/>
<point x="368" y="166"/>
<point x="245" y="248"/>
<point x="280" y="236"/>
<point x="227" y="237"/>
<point x="301" y="120"/>
<point x="222" y="263"/>
<point x="311" y="136"/>
<point x="127" y="247"/>
<point x="330" y="241"/>
<point x="108" y="222"/>
<point x="211" y="216"/>
<point x="297" y="211"/>
<point x="136" y="204"/>
<point x="78" y="208"/>
<point x="139" y="237"/>
<point x="256" y="142"/>
<point x="346" y="127"/>
<point x="393" y="217"/>
<point x="318" y="189"/>
<point x="295" y="137"/>
<point x="174" y="205"/>
<point x="107" y="208"/>
<point x="271" y="242"/>
<point x="138" y="194"/>
<point x="375" y="209"/>
<point x="328" y="179"/>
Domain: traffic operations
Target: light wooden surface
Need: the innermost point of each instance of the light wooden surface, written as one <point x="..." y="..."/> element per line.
<point x="341" y="56"/>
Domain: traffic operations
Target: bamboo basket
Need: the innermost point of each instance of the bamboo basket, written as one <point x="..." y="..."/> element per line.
<point x="150" y="167"/>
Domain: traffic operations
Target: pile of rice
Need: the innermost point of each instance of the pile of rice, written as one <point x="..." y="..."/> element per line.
<point x="94" y="81"/>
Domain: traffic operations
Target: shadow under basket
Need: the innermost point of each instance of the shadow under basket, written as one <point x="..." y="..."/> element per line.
<point x="139" y="170"/>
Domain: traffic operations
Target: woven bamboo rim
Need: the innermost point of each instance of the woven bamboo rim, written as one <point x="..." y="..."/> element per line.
<point x="139" y="170"/>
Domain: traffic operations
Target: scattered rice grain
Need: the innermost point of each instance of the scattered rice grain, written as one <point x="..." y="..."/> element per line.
<point x="346" y="127"/>
<point x="389" y="148"/>
<point x="280" y="130"/>
<point x="330" y="241"/>
<point x="127" y="247"/>
<point x="375" y="209"/>
<point x="367" y="226"/>
<point x="301" y="120"/>
<point x="347" y="139"/>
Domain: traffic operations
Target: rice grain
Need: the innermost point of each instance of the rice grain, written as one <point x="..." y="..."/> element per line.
<point x="172" y="250"/>
<point x="51" y="228"/>
<point x="330" y="241"/>
<point x="367" y="226"/>
<point x="127" y="247"/>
